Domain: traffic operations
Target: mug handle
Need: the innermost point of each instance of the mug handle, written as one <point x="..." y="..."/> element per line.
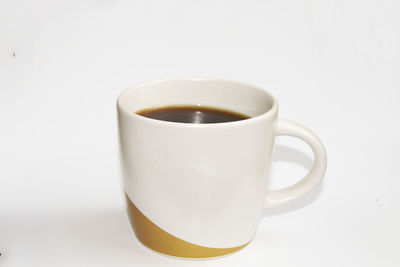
<point x="313" y="178"/>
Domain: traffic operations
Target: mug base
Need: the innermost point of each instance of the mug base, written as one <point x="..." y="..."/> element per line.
<point x="184" y="258"/>
<point x="161" y="242"/>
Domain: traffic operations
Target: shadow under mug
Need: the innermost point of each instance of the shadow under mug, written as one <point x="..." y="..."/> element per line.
<point x="199" y="190"/>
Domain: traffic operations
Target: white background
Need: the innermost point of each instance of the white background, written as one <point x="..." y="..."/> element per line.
<point x="333" y="65"/>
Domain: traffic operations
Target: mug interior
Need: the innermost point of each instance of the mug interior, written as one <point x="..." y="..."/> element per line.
<point x="230" y="95"/>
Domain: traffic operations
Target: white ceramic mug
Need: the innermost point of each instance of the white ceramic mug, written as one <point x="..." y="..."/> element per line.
<point x="198" y="190"/>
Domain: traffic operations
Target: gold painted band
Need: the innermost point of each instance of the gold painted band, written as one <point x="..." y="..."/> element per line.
<point x="159" y="240"/>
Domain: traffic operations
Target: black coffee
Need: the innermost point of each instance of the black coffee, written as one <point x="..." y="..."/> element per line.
<point x="192" y="114"/>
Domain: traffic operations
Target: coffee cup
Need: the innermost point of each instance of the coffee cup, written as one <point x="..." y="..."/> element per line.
<point x="198" y="190"/>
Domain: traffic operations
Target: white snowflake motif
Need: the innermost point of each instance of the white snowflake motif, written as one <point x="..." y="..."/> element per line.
<point x="189" y="140"/>
<point x="174" y="207"/>
<point x="249" y="184"/>
<point x="158" y="159"/>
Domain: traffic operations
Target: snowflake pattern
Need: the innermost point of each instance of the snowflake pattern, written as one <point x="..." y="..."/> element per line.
<point x="174" y="207"/>
<point x="249" y="184"/>
<point x="158" y="159"/>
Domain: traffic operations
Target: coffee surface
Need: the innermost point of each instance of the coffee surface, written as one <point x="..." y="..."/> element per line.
<point x="192" y="114"/>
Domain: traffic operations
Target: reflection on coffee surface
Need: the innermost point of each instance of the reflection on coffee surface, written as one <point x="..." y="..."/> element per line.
<point x="192" y="114"/>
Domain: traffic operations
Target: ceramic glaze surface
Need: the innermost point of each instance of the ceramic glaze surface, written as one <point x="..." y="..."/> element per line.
<point x="205" y="184"/>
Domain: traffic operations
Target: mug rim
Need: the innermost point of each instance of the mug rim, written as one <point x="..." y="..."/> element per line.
<point x="270" y="112"/>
